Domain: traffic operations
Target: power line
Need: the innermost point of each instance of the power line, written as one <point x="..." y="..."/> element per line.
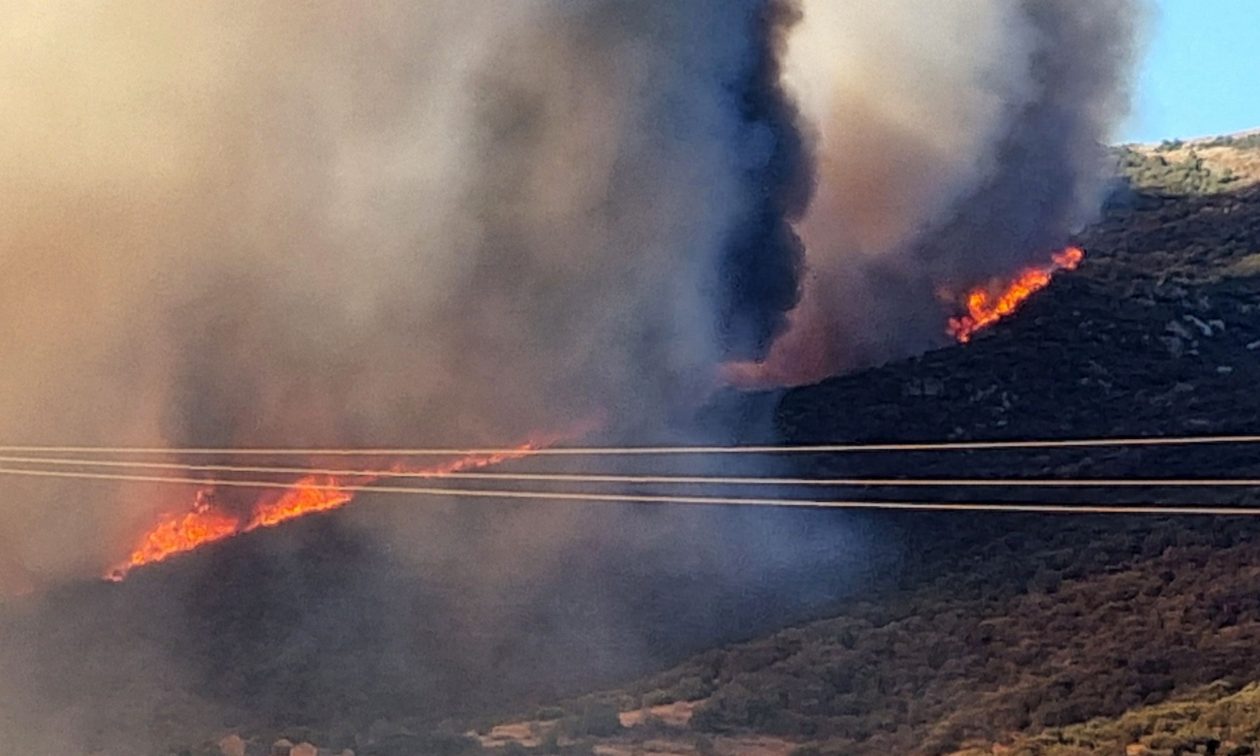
<point x="998" y="507"/>
<point x="645" y="450"/>
<point x="707" y="480"/>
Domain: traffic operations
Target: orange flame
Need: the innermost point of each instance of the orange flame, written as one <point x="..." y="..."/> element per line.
<point x="208" y="522"/>
<point x="205" y="523"/>
<point x="985" y="307"/>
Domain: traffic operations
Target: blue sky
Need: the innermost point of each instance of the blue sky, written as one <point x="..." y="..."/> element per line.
<point x="1201" y="71"/>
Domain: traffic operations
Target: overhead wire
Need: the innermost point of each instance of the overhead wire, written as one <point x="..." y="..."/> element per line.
<point x="999" y="507"/>
<point x="630" y="479"/>
<point x="837" y="448"/>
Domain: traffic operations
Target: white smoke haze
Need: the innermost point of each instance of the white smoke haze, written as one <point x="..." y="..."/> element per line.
<point x="909" y="107"/>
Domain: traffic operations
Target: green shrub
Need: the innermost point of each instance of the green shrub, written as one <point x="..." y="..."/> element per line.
<point x="658" y="697"/>
<point x="596" y="719"/>
<point x="689" y="688"/>
<point x="1244" y="142"/>
<point x="1155" y="173"/>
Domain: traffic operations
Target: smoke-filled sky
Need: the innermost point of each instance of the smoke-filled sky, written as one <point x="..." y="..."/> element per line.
<point x="462" y="223"/>
<point x="339" y="224"/>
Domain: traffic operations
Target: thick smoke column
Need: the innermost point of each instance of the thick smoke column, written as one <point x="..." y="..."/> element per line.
<point x="957" y="142"/>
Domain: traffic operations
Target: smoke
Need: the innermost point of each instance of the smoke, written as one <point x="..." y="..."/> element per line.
<point x="465" y="223"/>
<point x="449" y="223"/>
<point x="954" y="145"/>
<point x="461" y="222"/>
<point x="332" y="224"/>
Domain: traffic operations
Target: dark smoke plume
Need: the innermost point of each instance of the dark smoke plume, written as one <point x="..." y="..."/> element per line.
<point x="958" y="143"/>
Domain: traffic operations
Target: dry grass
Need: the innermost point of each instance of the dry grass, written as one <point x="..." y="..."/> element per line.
<point x="1237" y="156"/>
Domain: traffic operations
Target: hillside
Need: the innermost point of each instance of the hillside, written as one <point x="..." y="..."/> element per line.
<point x="906" y="634"/>
<point x="1215" y="719"/>
<point x="946" y="666"/>
<point x="1006" y="633"/>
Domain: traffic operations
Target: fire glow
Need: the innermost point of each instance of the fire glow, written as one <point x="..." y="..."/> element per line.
<point x="207" y="521"/>
<point x="988" y="304"/>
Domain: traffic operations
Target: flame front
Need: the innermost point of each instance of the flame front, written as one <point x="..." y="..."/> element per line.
<point x="208" y="521"/>
<point x="987" y="305"/>
<point x="315" y="493"/>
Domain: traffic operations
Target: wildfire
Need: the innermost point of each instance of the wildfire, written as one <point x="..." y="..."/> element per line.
<point x="988" y="304"/>
<point x="209" y="521"/>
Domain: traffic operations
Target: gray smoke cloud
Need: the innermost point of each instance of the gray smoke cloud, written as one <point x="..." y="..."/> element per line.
<point x="439" y="223"/>
<point x="466" y="223"/>
<point x="957" y="143"/>
<point x="333" y="224"/>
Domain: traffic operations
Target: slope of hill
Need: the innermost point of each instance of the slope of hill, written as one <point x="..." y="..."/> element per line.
<point x="1215" y="719"/>
<point x="944" y="667"/>
<point x="1011" y="630"/>
<point x="972" y="630"/>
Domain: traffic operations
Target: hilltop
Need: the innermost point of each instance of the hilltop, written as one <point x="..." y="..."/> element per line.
<point x="1194" y="166"/>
